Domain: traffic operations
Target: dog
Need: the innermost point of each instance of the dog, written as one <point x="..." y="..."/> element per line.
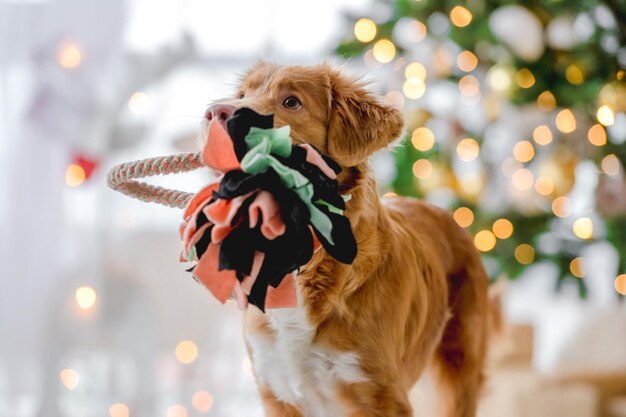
<point x="415" y="298"/>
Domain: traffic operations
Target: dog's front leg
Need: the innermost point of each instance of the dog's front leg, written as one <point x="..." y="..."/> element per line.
<point x="276" y="408"/>
<point x="377" y="400"/>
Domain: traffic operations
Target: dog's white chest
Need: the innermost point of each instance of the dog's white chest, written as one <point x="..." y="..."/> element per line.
<point x="299" y="372"/>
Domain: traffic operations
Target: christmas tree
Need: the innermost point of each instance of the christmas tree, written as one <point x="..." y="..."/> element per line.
<point x="516" y="121"/>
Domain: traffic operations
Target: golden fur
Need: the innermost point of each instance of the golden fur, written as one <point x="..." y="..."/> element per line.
<point x="415" y="296"/>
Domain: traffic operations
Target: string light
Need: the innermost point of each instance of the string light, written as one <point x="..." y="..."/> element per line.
<point x="75" y="175"/>
<point x="524" y="254"/>
<point x="467" y="149"/>
<point x="544" y="185"/>
<point x="522" y="179"/>
<point x="620" y="284"/>
<point x="597" y="135"/>
<point x="605" y="115"/>
<point x="176" y="410"/>
<point x="365" y="30"/>
<point x="542" y="135"/>
<point x="574" y="74"/>
<point x="611" y="165"/>
<point x="422" y="169"/>
<point x="467" y="61"/>
<point x="69" y="378"/>
<point x="485" y="240"/>
<point x="85" y="297"/>
<point x="524" y="151"/>
<point x="583" y="228"/>
<point x="566" y="121"/>
<point x="469" y="85"/>
<point x="202" y="401"/>
<point x="463" y="216"/>
<point x="119" y="410"/>
<point x="460" y="16"/>
<point x="576" y="267"/>
<point x="525" y="78"/>
<point x="502" y="228"/>
<point x="384" y="51"/>
<point x="423" y="139"/>
<point x="414" y="88"/>
<point x="415" y="70"/>
<point x="69" y="56"/>
<point x="546" y="101"/>
<point x="562" y="206"/>
<point x="186" y="352"/>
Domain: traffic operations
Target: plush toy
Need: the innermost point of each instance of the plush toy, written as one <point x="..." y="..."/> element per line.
<point x="272" y="206"/>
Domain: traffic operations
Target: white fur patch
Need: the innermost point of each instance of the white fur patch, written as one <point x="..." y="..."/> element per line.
<point x="298" y="372"/>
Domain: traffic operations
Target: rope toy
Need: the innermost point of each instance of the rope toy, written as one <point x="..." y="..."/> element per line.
<point x="273" y="205"/>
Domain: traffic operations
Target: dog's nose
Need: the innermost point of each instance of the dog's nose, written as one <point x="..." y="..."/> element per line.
<point x="220" y="112"/>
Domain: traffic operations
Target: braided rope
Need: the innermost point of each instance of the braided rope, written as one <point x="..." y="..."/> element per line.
<point x="122" y="178"/>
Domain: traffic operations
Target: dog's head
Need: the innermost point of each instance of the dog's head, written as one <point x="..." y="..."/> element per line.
<point x="325" y="108"/>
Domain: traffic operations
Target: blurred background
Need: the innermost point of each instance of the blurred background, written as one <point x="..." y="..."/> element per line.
<point x="516" y="122"/>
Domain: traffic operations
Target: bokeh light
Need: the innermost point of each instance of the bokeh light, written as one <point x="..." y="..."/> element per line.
<point x="542" y="135"/>
<point x="574" y="74"/>
<point x="75" y="175"/>
<point x="502" y="228"/>
<point x="469" y="85"/>
<point x="463" y="216"/>
<point x="119" y="410"/>
<point x="583" y="228"/>
<point x="524" y="254"/>
<point x="460" y="16"/>
<point x="485" y="240"/>
<point x="202" y="401"/>
<point x="523" y="179"/>
<point x="524" y="78"/>
<point x="467" y="61"/>
<point x="544" y="185"/>
<point x="422" y="169"/>
<point x="546" y="101"/>
<point x="85" y="297"/>
<point x="365" y="30"/>
<point x="576" y="267"/>
<point x="468" y="149"/>
<point x="69" y="56"/>
<point x="415" y="70"/>
<point x="562" y="206"/>
<point x="620" y="284"/>
<point x="384" y="51"/>
<point x="414" y="88"/>
<point x="610" y="165"/>
<point x="524" y="151"/>
<point x="423" y="139"/>
<point x="566" y="121"/>
<point x="69" y="378"/>
<point x="176" y="410"/>
<point x="499" y="78"/>
<point x="139" y="103"/>
<point x="597" y="135"/>
<point x="186" y="351"/>
<point x="606" y="115"/>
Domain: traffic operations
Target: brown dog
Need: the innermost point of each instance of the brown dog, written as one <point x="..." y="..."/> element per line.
<point x="415" y="296"/>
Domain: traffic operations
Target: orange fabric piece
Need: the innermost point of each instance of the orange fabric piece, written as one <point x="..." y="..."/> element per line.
<point x="220" y="283"/>
<point x="272" y="224"/>
<point x="283" y="296"/>
<point x="219" y="152"/>
<point x="202" y="197"/>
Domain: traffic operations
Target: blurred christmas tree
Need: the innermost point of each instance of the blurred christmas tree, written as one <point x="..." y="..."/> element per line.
<point x="516" y="120"/>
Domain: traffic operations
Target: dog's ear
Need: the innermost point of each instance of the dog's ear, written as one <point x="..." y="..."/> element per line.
<point x="359" y="124"/>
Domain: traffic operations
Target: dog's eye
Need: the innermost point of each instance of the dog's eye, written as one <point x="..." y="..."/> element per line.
<point x="241" y="95"/>
<point x="292" y="103"/>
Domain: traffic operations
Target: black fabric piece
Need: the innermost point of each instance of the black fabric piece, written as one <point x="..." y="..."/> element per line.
<point x="345" y="247"/>
<point x="239" y="125"/>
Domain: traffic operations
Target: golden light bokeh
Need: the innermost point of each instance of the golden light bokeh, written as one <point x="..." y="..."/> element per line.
<point x="186" y="352"/>
<point x="597" y="135"/>
<point x="574" y="74"/>
<point x="467" y="61"/>
<point x="415" y="70"/>
<point x="611" y="165"/>
<point x="69" y="378"/>
<point x="384" y="51"/>
<point x="524" y="151"/>
<point x="499" y="79"/>
<point x="620" y="284"/>
<point x="176" y="410"/>
<point x="583" y="228"/>
<point x="139" y="103"/>
<point x="389" y="194"/>
<point x="469" y="85"/>
<point x="460" y="16"/>
<point x="542" y="135"/>
<point x="202" y="401"/>
<point x="621" y="74"/>
<point x="423" y="139"/>
<point x="606" y="115"/>
<point x="119" y="410"/>
<point x="566" y="121"/>
<point x="544" y="185"/>
<point x="485" y="240"/>
<point x="523" y="179"/>
<point x="524" y="254"/>
<point x="576" y="267"/>
<point x="69" y="56"/>
<point x="562" y="206"/>
<point x="524" y="78"/>
<point x="414" y="88"/>
<point x="365" y="30"/>
<point x="75" y="175"/>
<point x="463" y="216"/>
<point x="85" y="297"/>
<point x="422" y="169"/>
<point x="546" y="101"/>
<point x="468" y="149"/>
<point x="502" y="228"/>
